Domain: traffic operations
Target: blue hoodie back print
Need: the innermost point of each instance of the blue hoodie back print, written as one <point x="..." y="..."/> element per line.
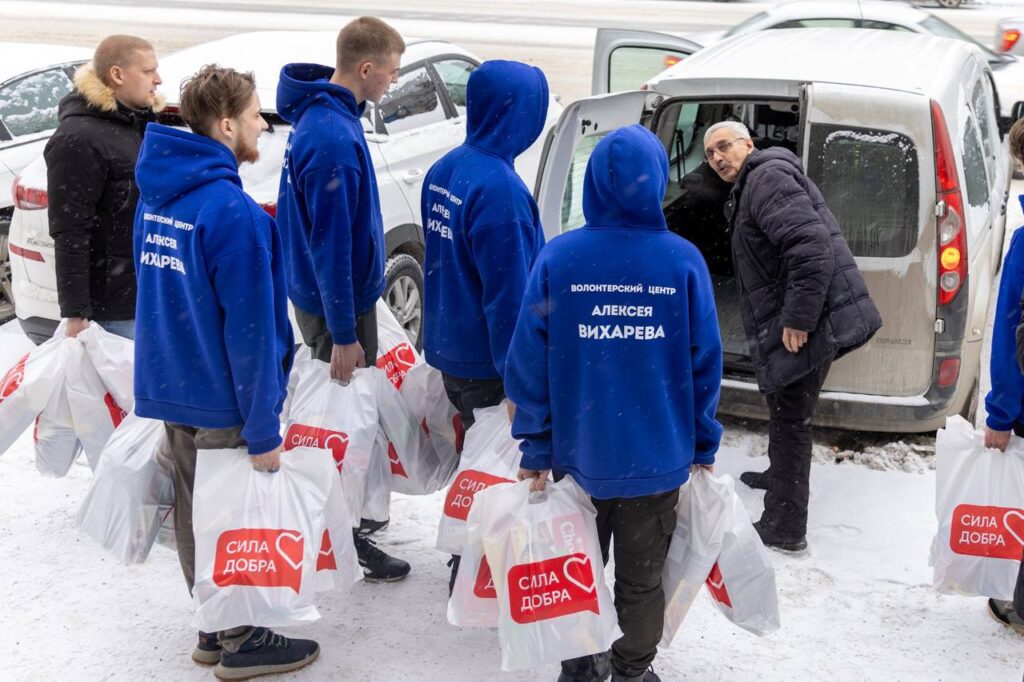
<point x="482" y="226"/>
<point x="616" y="362"/>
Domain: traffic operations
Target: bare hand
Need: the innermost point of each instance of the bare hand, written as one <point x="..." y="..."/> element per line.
<point x="345" y="359"/>
<point x="268" y="461"/>
<point x="793" y="339"/>
<point x="510" y="406"/>
<point x="540" y="478"/>
<point x="997" y="440"/>
<point x="76" y="325"/>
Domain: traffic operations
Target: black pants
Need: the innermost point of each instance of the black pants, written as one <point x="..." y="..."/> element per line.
<point x="467" y="395"/>
<point x="642" y="528"/>
<point x="313" y="329"/>
<point x="789" y="453"/>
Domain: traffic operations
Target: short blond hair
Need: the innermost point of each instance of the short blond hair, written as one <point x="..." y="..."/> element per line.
<point x="366" y="38"/>
<point x="117" y="50"/>
<point x="1016" y="139"/>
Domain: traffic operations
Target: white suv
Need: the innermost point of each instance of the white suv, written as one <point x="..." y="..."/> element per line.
<point x="419" y="120"/>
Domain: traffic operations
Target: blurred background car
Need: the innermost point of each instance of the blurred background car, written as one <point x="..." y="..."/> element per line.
<point x="1008" y="34"/>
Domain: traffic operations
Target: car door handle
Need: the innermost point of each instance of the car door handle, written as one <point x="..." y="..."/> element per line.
<point x="412" y="176"/>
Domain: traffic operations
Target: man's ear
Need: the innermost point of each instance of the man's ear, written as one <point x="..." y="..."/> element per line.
<point x="364" y="68"/>
<point x="226" y="127"/>
<point x="116" y="75"/>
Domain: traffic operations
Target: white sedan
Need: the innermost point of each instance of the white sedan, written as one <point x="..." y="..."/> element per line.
<point x="420" y="119"/>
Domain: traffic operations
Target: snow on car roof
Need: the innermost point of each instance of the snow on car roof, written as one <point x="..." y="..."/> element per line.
<point x="884" y="59"/>
<point x="265" y="52"/>
<point x="19" y="58"/>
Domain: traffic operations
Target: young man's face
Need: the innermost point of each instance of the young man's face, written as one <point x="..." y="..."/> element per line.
<point x="135" y="83"/>
<point x="726" y="153"/>
<point x="246" y="131"/>
<point x="379" y="74"/>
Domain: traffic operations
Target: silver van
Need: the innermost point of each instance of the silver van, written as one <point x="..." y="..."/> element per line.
<point x="903" y="135"/>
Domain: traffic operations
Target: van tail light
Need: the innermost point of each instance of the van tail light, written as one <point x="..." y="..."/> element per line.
<point x="271" y="209"/>
<point x="949" y="211"/>
<point x="1010" y="38"/>
<point x="949" y="370"/>
<point x="26" y="198"/>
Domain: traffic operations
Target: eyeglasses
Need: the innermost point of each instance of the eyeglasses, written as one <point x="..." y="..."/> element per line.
<point x="720" y="148"/>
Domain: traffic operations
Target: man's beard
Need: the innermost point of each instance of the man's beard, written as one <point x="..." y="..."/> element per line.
<point x="247" y="153"/>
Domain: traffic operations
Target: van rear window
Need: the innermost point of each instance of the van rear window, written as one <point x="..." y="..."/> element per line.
<point x="870" y="182"/>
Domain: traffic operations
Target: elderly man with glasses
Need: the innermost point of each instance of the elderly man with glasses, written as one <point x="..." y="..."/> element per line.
<point x="804" y="304"/>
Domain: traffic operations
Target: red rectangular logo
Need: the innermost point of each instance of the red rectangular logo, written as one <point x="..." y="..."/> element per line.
<point x="464" y="489"/>
<point x="303" y="436"/>
<point x="397" y="362"/>
<point x="325" y="558"/>
<point x="551" y="588"/>
<point x="396" y="464"/>
<point x="994" y="532"/>
<point x="117" y="415"/>
<point x="716" y="586"/>
<point x="483" y="588"/>
<point x="259" y="557"/>
<point x="13" y="378"/>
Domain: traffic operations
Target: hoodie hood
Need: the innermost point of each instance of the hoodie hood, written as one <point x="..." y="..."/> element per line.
<point x="625" y="181"/>
<point x="302" y="85"/>
<point x="173" y="162"/>
<point x="506" y="107"/>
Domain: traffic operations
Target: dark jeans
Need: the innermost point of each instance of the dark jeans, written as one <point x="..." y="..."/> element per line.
<point x="642" y="528"/>
<point x="467" y="395"/>
<point x="178" y="454"/>
<point x="313" y="329"/>
<point x="1018" y="591"/>
<point x="789" y="453"/>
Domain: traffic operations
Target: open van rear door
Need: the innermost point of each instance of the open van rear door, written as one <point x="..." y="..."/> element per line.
<point x="625" y="60"/>
<point x="559" y="190"/>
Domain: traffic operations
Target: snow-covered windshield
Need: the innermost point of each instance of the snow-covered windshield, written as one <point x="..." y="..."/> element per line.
<point x="29" y="105"/>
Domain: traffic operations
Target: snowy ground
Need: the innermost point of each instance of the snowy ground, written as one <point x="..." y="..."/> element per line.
<point x="857" y="605"/>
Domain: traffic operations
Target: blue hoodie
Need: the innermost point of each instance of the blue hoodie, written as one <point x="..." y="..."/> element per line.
<point x="616" y="362"/>
<point x="327" y="205"/>
<point x="213" y="344"/>
<point x="481" y="224"/>
<point x="1005" y="402"/>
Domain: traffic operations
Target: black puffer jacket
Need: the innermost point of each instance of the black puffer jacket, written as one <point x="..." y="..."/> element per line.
<point x="794" y="269"/>
<point x="90" y="172"/>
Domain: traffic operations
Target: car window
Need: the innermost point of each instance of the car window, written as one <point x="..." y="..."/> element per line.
<point x="870" y="182"/>
<point x="940" y="28"/>
<point x="411" y="103"/>
<point x="816" y="23"/>
<point x="983" y="108"/>
<point x="883" y="26"/>
<point x="29" y="105"/>
<point x="974" y="166"/>
<point x="572" y="199"/>
<point x="743" y="26"/>
<point x="630" y="66"/>
<point x="454" y="74"/>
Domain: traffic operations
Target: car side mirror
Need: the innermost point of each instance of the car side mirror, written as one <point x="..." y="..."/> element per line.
<point x="1017" y="112"/>
<point x="1006" y="122"/>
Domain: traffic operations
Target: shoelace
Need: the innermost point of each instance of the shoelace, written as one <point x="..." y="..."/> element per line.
<point x="276" y="641"/>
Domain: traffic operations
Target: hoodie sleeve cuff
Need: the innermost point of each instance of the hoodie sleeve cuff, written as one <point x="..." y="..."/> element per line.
<point x="536" y="455"/>
<point x="996" y="424"/>
<point x="261" y="447"/>
<point x="343" y="337"/>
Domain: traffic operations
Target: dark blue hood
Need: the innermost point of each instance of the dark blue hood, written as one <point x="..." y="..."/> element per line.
<point x="173" y="162"/>
<point x="300" y="85"/>
<point x="626" y="180"/>
<point x="506" y="105"/>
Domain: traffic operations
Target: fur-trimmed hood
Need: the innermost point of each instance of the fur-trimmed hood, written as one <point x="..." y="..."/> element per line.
<point x="99" y="95"/>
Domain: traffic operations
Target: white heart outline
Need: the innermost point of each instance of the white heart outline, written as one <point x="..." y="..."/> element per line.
<point x="583" y="560"/>
<point x="295" y="536"/>
<point x="330" y="550"/>
<point x="719" y="585"/>
<point x="1017" y="513"/>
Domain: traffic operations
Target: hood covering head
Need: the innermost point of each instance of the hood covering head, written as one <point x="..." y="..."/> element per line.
<point x="174" y="162"/>
<point x="301" y="85"/>
<point x="506" y="107"/>
<point x="626" y="179"/>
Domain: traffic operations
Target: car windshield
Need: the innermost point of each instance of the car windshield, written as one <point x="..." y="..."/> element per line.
<point x="744" y="25"/>
<point x="940" y="28"/>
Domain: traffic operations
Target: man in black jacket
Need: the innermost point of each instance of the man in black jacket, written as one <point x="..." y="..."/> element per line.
<point x="90" y="173"/>
<point x="804" y="303"/>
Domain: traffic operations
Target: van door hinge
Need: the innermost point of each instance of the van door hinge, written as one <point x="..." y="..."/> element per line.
<point x="940" y="326"/>
<point x="940" y="209"/>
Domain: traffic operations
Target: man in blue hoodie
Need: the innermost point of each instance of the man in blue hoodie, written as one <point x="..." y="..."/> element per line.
<point x="213" y="343"/>
<point x="615" y="368"/>
<point x="482" y="235"/>
<point x="329" y="212"/>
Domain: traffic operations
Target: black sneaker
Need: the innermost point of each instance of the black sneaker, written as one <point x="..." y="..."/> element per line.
<point x="647" y="676"/>
<point x="758" y="480"/>
<point x="1004" y="612"/>
<point x="378" y="566"/>
<point x="369" y="527"/>
<point x="596" y="668"/>
<point x="207" y="651"/>
<point x="266" y="653"/>
<point x="772" y="538"/>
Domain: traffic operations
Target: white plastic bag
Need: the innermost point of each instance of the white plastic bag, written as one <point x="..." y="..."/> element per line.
<point x="258" y="535"/>
<point x="742" y="583"/>
<point x="491" y="456"/>
<point x="377" y="493"/>
<point x="416" y="467"/>
<point x="342" y="419"/>
<point x="131" y="495"/>
<point x="474" y="601"/>
<point x="396" y="355"/>
<point x="979" y="503"/>
<point x="94" y="410"/>
<point x="423" y="392"/>
<point x="545" y="559"/>
<point x="337" y="566"/>
<point x="113" y="358"/>
<point x="26" y="387"/>
<point x="703" y="515"/>
<point x="56" y="444"/>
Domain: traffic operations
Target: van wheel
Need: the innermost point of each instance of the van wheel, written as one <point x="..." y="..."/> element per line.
<point x="404" y="294"/>
<point x="970" y="408"/>
<point x="949" y="4"/>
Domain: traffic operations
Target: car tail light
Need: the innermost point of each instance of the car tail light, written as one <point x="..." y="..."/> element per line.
<point x="27" y="254"/>
<point x="1010" y="38"/>
<point x="949" y="211"/>
<point x="271" y="209"/>
<point x="27" y="199"/>
<point x="672" y="60"/>
<point x="949" y="370"/>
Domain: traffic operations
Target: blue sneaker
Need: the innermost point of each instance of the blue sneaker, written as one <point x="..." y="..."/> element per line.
<point x="266" y="653"/>
<point x="207" y="651"/>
